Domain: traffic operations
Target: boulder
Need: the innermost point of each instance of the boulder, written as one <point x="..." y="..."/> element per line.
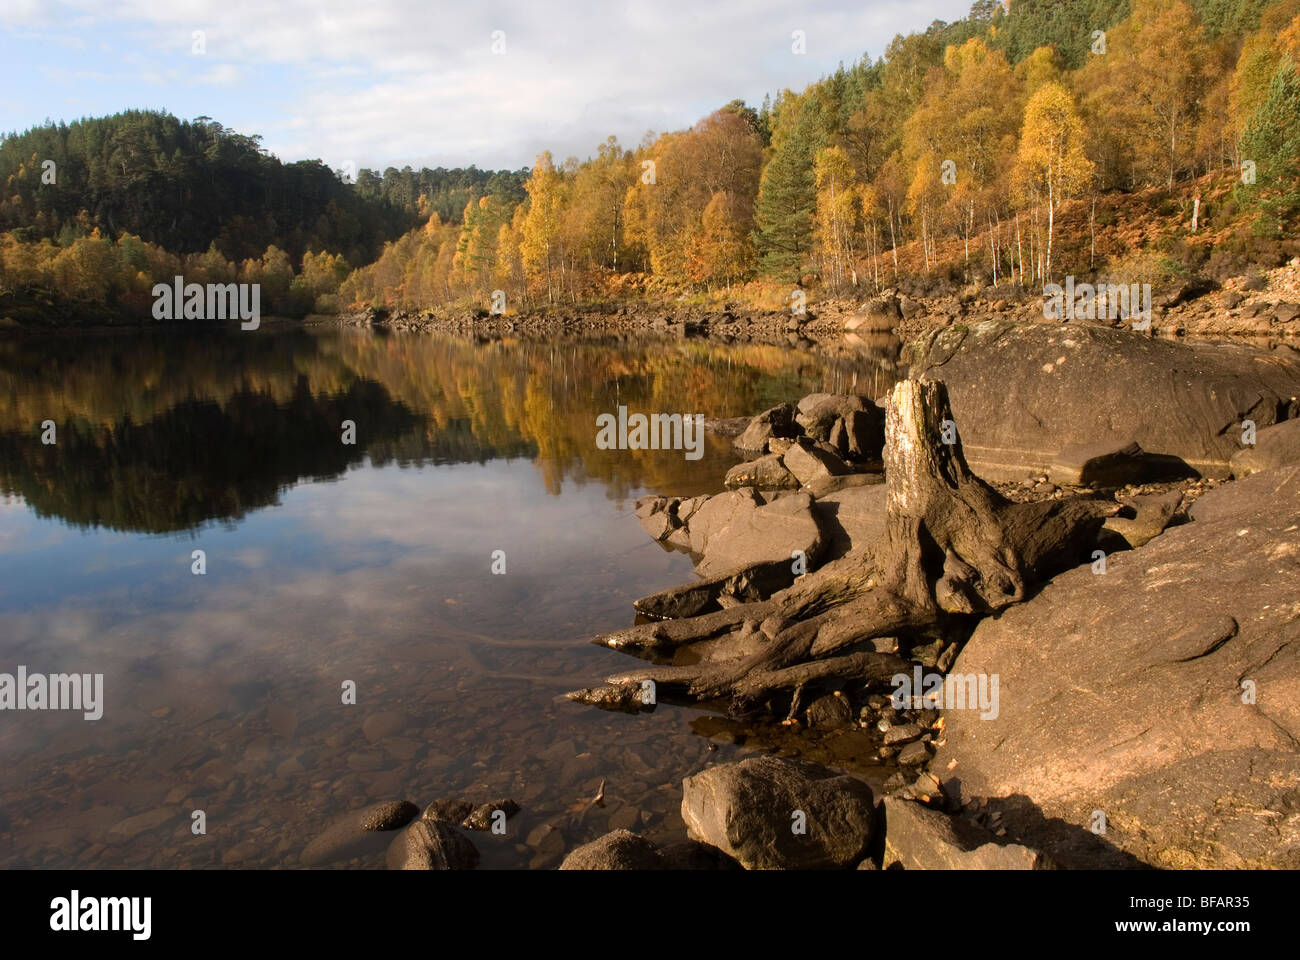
<point x="777" y="421"/>
<point x="388" y="815"/>
<point x="1275" y="446"/>
<point x="1189" y="290"/>
<point x="619" y="850"/>
<point x="355" y="834"/>
<point x="918" y="838"/>
<point x="824" y="486"/>
<point x="765" y="473"/>
<point x="1021" y="392"/>
<point x="431" y="845"/>
<point x="448" y="810"/>
<point x="1160" y="693"/>
<point x="659" y="525"/>
<point x="830" y="712"/>
<point x="750" y="810"/>
<point x="1107" y="463"/>
<point x="1150" y="515"/>
<point x="808" y="463"/>
<point x="780" y="445"/>
<point x="818" y="412"/>
<point x="738" y="529"/>
<point x="1286" y="312"/>
<point x="915" y="754"/>
<point x="879" y="315"/>
<point x="851" y="518"/>
<point x="486" y="815"/>
<point x="865" y="430"/>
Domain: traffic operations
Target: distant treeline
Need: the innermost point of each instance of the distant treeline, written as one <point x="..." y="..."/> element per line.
<point x="185" y="185"/>
<point x="94" y="211"/>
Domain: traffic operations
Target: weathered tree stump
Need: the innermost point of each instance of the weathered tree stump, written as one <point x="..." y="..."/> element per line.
<point x="954" y="549"/>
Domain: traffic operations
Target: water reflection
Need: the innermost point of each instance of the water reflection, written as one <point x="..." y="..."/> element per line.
<point x="159" y="433"/>
<point x="223" y="691"/>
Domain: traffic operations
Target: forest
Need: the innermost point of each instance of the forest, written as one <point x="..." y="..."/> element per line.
<point x="1023" y="142"/>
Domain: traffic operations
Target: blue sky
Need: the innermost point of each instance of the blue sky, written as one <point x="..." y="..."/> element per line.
<point x="377" y="83"/>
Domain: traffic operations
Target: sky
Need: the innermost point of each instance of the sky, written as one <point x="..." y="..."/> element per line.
<point x="379" y="83"/>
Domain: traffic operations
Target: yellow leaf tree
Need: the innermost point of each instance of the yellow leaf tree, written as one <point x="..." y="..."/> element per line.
<point x="837" y="221"/>
<point x="1147" y="91"/>
<point x="1051" y="161"/>
<point x="539" y="244"/>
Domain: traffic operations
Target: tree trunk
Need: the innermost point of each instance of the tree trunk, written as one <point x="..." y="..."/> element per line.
<point x="953" y="547"/>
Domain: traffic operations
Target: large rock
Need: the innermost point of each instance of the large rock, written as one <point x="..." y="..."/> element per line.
<point x="485" y="816"/>
<point x="879" y="315"/>
<point x="356" y="834"/>
<point x="749" y="811"/>
<point x="431" y="845"/>
<point x="819" y="411"/>
<point x="1123" y="692"/>
<point x="1144" y="518"/>
<point x="918" y="838"/>
<point x="619" y="850"/>
<point x="765" y="473"/>
<point x="851" y="518"/>
<point x="865" y="431"/>
<point x="777" y="421"/>
<point x="1275" y="446"/>
<point x="1107" y="463"/>
<point x="808" y="463"/>
<point x="739" y="529"/>
<point x="1020" y="393"/>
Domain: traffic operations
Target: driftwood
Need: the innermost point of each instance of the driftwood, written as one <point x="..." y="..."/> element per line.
<point x="954" y="549"/>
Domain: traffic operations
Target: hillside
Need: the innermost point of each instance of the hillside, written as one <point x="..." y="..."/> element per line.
<point x="1017" y="145"/>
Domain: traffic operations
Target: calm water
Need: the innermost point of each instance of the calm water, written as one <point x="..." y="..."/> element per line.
<point x="328" y="563"/>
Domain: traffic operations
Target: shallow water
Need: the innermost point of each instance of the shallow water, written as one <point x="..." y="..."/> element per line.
<point x="327" y="563"/>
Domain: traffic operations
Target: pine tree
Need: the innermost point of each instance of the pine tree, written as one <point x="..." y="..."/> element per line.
<point x="787" y="195"/>
<point x="1272" y="142"/>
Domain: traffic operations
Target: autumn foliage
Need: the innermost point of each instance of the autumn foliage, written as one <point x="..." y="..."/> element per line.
<point x="977" y="151"/>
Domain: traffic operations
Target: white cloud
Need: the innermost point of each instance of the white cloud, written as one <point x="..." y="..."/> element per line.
<point x="225" y="74"/>
<point x="396" y="81"/>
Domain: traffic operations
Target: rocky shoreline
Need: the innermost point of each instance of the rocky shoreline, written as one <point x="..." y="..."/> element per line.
<point x="1140" y="714"/>
<point x="1261" y="309"/>
<point x="1094" y="790"/>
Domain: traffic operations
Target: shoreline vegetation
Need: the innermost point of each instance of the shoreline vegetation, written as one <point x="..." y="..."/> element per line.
<point x="989" y="157"/>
